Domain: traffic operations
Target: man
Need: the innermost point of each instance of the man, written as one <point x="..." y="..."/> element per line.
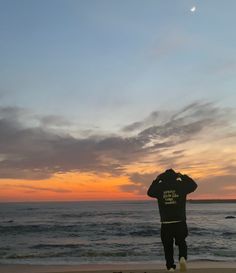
<point x="171" y="189"/>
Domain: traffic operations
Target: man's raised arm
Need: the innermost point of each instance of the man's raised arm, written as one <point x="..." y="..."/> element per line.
<point x="189" y="184"/>
<point x="153" y="190"/>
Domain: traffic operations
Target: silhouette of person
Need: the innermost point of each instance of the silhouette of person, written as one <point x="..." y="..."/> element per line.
<point x="170" y="189"/>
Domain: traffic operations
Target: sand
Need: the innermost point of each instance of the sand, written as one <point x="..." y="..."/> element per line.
<point x="193" y="267"/>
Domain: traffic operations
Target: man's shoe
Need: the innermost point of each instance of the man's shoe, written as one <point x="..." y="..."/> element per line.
<point x="171" y="270"/>
<point x="182" y="264"/>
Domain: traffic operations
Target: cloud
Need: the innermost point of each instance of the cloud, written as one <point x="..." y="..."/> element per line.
<point x="29" y="150"/>
<point x="187" y="123"/>
<point x="37" y="153"/>
<point x="222" y="184"/>
<point x="139" y="125"/>
<point x="34" y="188"/>
<point x="13" y="114"/>
<point x="54" y="120"/>
<point x="139" y="183"/>
<point x="132" y="127"/>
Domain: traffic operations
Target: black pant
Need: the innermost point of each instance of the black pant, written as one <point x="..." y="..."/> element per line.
<point x="169" y="233"/>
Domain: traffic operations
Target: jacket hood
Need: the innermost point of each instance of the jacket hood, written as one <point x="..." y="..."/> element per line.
<point x="170" y="174"/>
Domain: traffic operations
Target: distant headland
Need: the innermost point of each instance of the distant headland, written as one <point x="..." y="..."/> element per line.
<point x="212" y="200"/>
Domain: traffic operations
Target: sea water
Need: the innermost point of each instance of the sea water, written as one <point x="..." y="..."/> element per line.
<point x="109" y="232"/>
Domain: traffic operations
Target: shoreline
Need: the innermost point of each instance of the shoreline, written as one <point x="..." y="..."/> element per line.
<point x="194" y="266"/>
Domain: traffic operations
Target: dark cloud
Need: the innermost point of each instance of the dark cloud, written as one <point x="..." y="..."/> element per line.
<point x="54" y="120"/>
<point x="139" y="125"/>
<point x="139" y="182"/>
<point x="13" y="114"/>
<point x="132" y="127"/>
<point x="29" y="150"/>
<point x="187" y="123"/>
<point x="222" y="184"/>
<point x="34" y="153"/>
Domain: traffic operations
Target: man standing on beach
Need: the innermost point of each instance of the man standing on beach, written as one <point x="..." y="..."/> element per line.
<point x="170" y="189"/>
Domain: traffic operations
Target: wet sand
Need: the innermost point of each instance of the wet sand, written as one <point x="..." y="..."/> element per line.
<point x="193" y="267"/>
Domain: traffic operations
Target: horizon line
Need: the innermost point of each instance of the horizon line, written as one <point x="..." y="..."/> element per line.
<point x="206" y="200"/>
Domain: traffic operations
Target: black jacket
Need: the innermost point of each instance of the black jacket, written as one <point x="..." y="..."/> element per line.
<point x="171" y="189"/>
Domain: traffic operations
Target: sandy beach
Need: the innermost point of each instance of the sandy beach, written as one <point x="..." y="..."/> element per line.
<point x="193" y="267"/>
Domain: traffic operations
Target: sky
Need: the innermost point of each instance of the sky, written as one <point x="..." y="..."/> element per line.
<point x="98" y="97"/>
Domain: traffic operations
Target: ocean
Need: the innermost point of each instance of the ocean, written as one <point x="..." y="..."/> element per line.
<point x="109" y="232"/>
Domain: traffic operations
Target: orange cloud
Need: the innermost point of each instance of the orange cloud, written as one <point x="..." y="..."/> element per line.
<point x="66" y="187"/>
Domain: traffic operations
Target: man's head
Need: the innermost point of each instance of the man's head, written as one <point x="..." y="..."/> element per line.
<point x="170" y="172"/>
